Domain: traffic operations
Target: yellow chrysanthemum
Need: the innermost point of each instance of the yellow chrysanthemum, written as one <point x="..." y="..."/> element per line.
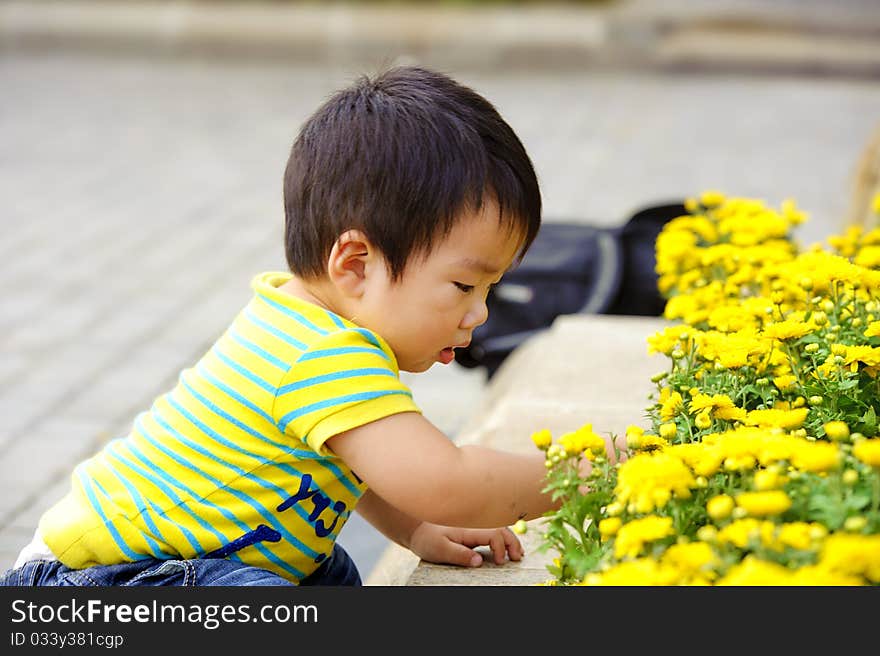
<point x="753" y="572"/>
<point x="633" y="536"/>
<point x="649" y="480"/>
<point x="870" y="355"/>
<point x="868" y="451"/>
<point x="609" y="526"/>
<point x="771" y="418"/>
<point x="815" y="456"/>
<point x="836" y="430"/>
<point x="784" y="382"/>
<point x="691" y="559"/>
<point x="640" y="572"/>
<point x="583" y="440"/>
<point x="542" y="439"/>
<point x="719" y="507"/>
<point x="670" y="406"/>
<point x="853" y="554"/>
<point x="762" y="504"/>
<point x="873" y="329"/>
<point x="788" y="330"/>
<point x="712" y="198"/>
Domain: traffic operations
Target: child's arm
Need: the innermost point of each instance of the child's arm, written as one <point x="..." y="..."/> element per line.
<point x="434" y="543"/>
<point x="416" y="469"/>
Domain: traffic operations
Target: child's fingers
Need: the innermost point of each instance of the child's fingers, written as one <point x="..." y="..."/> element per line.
<point x="455" y="553"/>
<point x="514" y="546"/>
<point x="504" y="543"/>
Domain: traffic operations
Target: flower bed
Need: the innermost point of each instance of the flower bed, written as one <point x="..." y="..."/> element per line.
<point x="759" y="460"/>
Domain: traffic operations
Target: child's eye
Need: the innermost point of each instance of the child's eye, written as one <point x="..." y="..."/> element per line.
<point x="465" y="288"/>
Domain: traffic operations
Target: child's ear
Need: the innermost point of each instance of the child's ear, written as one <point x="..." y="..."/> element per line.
<point x="350" y="260"/>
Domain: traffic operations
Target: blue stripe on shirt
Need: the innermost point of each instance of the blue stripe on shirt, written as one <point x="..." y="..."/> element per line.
<point x="341" y="350"/>
<point x="338" y="400"/>
<point x="293" y="314"/>
<point x="272" y="330"/>
<point x="260" y="352"/>
<point x="117" y="538"/>
<point x="336" y="375"/>
<point x="232" y="364"/>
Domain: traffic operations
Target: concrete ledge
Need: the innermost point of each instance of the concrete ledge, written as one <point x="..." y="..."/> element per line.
<point x="584" y="369"/>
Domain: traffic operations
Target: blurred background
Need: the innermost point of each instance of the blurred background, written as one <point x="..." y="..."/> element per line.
<point x="142" y="147"/>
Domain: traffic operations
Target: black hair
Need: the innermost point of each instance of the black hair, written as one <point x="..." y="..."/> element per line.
<point x="400" y="156"/>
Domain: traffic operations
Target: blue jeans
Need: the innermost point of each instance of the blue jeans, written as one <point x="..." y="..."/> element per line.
<point x="338" y="569"/>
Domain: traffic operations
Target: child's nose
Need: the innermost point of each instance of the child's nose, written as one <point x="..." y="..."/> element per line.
<point x="476" y="315"/>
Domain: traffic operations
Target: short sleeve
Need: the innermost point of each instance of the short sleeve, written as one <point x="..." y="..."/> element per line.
<point x="346" y="379"/>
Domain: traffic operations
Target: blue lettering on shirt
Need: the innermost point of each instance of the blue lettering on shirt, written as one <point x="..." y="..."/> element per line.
<point x="260" y="534"/>
<point x="320" y="502"/>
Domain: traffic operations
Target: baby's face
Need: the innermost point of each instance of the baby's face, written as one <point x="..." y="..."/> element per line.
<point x="441" y="298"/>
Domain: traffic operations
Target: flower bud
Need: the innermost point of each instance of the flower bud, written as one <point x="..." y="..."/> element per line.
<point x="668" y="430"/>
<point x="837" y="431"/>
<point x="855" y="524"/>
<point x="720" y="507"/>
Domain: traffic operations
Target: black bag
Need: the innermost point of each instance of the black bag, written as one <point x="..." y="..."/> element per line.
<point x="572" y="268"/>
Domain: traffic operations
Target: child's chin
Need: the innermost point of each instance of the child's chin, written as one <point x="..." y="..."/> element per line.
<point x="417" y="368"/>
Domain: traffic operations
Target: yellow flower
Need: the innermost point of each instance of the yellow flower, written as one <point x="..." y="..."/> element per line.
<point x="712" y="198"/>
<point x="868" y="354"/>
<point x="632" y="537"/>
<point x="788" y="330"/>
<point x="752" y="571"/>
<point x="583" y="440"/>
<point x="668" y="430"/>
<point x="761" y="504"/>
<point x="868" y="451"/>
<point x="798" y="535"/>
<point x="770" y="418"/>
<point x="815" y="456"/>
<point x="648" y="480"/>
<point x="836" y="430"/>
<point x="648" y="442"/>
<point x="609" y="526"/>
<point x="740" y="533"/>
<point x="639" y="572"/>
<point x="719" y="507"/>
<point x="853" y="554"/>
<point x="542" y="439"/>
<point x="873" y="329"/>
<point x="768" y="479"/>
<point x="784" y="382"/>
<point x="703" y="420"/>
<point x="691" y="559"/>
<point x="705" y="402"/>
<point x="670" y="406"/>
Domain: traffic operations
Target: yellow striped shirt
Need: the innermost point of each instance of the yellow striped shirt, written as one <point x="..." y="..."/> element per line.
<point x="231" y="462"/>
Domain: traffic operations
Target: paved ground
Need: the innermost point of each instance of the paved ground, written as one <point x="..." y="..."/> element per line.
<point x="140" y="195"/>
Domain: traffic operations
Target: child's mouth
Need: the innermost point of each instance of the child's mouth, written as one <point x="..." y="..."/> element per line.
<point x="447" y="355"/>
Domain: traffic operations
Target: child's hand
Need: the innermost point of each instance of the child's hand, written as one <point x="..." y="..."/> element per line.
<point x="448" y="545"/>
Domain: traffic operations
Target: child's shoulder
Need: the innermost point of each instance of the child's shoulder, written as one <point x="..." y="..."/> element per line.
<point x="317" y="331"/>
